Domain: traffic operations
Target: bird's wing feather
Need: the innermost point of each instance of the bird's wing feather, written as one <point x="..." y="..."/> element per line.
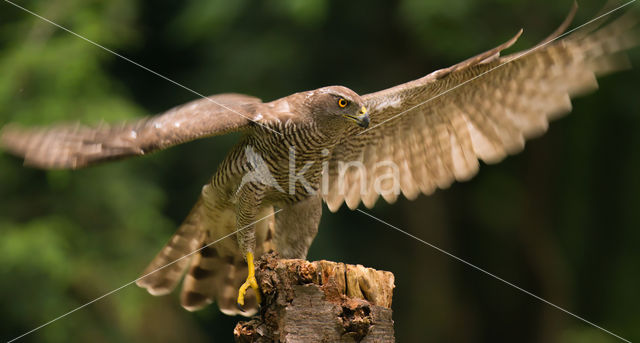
<point x="432" y="131"/>
<point x="76" y="146"/>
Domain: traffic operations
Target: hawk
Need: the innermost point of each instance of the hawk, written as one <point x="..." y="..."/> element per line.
<point x="334" y="145"/>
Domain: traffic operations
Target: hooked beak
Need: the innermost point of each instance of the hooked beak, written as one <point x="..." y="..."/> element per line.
<point x="362" y="119"/>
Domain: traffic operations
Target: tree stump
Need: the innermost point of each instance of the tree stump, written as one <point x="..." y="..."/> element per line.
<point x="320" y="302"/>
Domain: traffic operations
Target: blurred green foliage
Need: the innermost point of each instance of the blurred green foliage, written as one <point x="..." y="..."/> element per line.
<point x="560" y="220"/>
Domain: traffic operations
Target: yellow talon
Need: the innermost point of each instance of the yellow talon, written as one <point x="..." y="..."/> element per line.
<point x="250" y="282"/>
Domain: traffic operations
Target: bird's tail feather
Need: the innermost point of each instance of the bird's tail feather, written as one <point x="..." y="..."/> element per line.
<point x="216" y="271"/>
<point x="213" y="277"/>
<point x="166" y="269"/>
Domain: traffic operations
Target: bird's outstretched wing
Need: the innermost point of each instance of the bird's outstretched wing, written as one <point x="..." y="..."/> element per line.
<point x="75" y="146"/>
<point x="429" y="132"/>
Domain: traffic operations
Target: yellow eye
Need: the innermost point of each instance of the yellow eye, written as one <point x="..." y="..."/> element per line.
<point x="343" y="103"/>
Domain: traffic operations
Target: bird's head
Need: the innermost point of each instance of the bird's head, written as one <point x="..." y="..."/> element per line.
<point x="339" y="106"/>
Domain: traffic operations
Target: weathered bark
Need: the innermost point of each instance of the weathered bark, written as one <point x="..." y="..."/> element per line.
<point x="320" y="302"/>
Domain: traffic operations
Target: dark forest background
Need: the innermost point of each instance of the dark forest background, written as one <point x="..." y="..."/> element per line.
<point x="561" y="219"/>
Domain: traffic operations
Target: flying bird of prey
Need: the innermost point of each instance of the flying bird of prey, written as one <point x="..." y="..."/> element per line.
<point x="428" y="133"/>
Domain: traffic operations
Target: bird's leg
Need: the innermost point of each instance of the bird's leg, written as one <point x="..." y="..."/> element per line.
<point x="249" y="200"/>
<point x="250" y="282"/>
<point x="297" y="226"/>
